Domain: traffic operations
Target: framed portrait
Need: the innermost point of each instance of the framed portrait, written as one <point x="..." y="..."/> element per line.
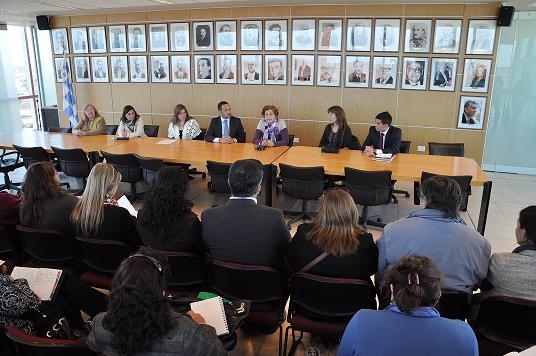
<point x="418" y="36"/>
<point x="480" y="36"/>
<point x="303" y="69"/>
<point x="386" y="35"/>
<point x="97" y="39"/>
<point x="329" y="35"/>
<point x="119" y="69"/>
<point x="384" y="72"/>
<point x="118" y="38"/>
<point x="136" y="38"/>
<point x="59" y="41"/>
<point x="203" y="36"/>
<point x="63" y="68"/>
<point x="81" y="69"/>
<point x="251" y="68"/>
<point x="443" y="74"/>
<point x="476" y="75"/>
<point x="329" y="71"/>
<point x="227" y="69"/>
<point x="471" y="113"/>
<point x="158" y="37"/>
<point x="138" y="69"/>
<point x="79" y="40"/>
<point x="204" y="68"/>
<point x="179" y="36"/>
<point x="357" y="71"/>
<point x="275" y="35"/>
<point x="226" y="35"/>
<point x="251" y="35"/>
<point x="414" y="72"/>
<point x="99" y="66"/>
<point x="275" y="69"/>
<point x="358" y="35"/>
<point x="303" y="35"/>
<point x="180" y="66"/>
<point x="447" y="36"/>
<point x="159" y="69"/>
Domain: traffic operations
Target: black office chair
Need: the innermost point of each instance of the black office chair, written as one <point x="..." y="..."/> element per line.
<point x="446" y="149"/>
<point x="31" y="155"/>
<point x="111" y="129"/>
<point x="7" y="165"/>
<point x="46" y="248"/>
<point x="369" y="188"/>
<point x="356" y="145"/>
<point x="150" y="168"/>
<point x="186" y="275"/>
<point x="73" y="163"/>
<point x="60" y="129"/>
<point x="127" y="164"/>
<point x="8" y="250"/>
<point x="306" y="183"/>
<point x="291" y="140"/>
<point x="463" y="181"/>
<point x="151" y="130"/>
<point x="453" y="304"/>
<point x="218" y="172"/>
<point x="404" y="148"/>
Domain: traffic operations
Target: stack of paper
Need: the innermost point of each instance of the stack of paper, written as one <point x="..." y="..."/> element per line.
<point x="383" y="157"/>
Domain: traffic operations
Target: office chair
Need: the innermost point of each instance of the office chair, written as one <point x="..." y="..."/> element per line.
<point x="150" y="168"/>
<point x="60" y="129"/>
<point x="8" y="165"/>
<point x="194" y="171"/>
<point x="151" y="130"/>
<point x="127" y="164"/>
<point x="463" y="181"/>
<point x="404" y="148"/>
<point x="73" y="163"/>
<point x="47" y="248"/>
<point x="218" y="172"/>
<point x="111" y="129"/>
<point x="446" y="149"/>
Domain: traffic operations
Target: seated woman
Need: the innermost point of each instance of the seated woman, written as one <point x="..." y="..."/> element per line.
<point x="411" y="323"/>
<point x="337" y="133"/>
<point x="271" y="131"/>
<point x="166" y="221"/>
<point x="140" y="321"/>
<point x="44" y="203"/>
<point x="97" y="214"/>
<point x="130" y="123"/>
<point x="91" y="123"/>
<point x="351" y="252"/>
<point x="182" y="125"/>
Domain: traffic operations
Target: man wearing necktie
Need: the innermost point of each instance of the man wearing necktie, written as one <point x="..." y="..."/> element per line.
<point x="225" y="128"/>
<point x="383" y="136"/>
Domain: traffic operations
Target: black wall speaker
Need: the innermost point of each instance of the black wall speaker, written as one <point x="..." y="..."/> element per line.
<point x="505" y="16"/>
<point x="42" y="22"/>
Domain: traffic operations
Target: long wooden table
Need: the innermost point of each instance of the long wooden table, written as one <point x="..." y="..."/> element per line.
<point x="28" y="138"/>
<point x="407" y="167"/>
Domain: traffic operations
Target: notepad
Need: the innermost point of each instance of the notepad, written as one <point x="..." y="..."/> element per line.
<point x="125" y="203"/>
<point x="214" y="313"/>
<point x="165" y="142"/>
<point x="42" y="281"/>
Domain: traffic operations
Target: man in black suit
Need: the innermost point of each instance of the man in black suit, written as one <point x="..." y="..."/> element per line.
<point x="225" y="128"/>
<point x="391" y="136"/>
<point x="242" y="231"/>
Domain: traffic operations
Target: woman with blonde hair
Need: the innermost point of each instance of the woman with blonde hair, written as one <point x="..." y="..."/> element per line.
<point x="97" y="214"/>
<point x="182" y="125"/>
<point x="91" y="122"/>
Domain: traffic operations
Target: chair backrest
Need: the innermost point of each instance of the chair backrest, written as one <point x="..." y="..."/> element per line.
<point x="405" y="146"/>
<point x="46" y="247"/>
<point x="29" y="345"/>
<point x="453" y="305"/>
<point x="149" y="168"/>
<point x="463" y="181"/>
<point x="219" y="172"/>
<point x="201" y="136"/>
<point x="186" y="270"/>
<point x="291" y="140"/>
<point x="368" y="188"/>
<point x="111" y="129"/>
<point x="31" y="155"/>
<point x="7" y="247"/>
<point x="73" y="162"/>
<point x="355" y="145"/>
<point x="100" y="255"/>
<point x="60" y="129"/>
<point x="446" y="149"/>
<point x="127" y="164"/>
<point x="305" y="183"/>
<point x="151" y="130"/>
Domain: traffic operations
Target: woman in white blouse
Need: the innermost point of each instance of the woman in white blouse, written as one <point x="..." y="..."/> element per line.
<point x="130" y="124"/>
<point x="182" y="125"/>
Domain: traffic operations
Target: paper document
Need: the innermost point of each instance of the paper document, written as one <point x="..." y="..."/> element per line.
<point x="383" y="157"/>
<point x="125" y="203"/>
<point x="165" y="142"/>
<point x="214" y="313"/>
<point x="42" y="281"/>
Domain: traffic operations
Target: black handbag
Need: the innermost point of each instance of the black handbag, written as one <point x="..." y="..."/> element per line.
<point x="330" y="149"/>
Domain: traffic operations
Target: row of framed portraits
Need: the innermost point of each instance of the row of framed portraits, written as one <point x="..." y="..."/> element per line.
<point x="361" y="71"/>
<point x="361" y="36"/>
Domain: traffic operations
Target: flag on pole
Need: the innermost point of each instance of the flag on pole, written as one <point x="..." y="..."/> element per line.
<point x="69" y="99"/>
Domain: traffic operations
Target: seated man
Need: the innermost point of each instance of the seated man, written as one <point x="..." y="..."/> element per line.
<point x="242" y="231"/>
<point x="438" y="232"/>
<point x="225" y="128"/>
<point x="383" y="136"/>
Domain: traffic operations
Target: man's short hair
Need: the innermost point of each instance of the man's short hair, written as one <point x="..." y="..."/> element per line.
<point x="385" y="118"/>
<point x="527" y="221"/>
<point x="442" y="193"/>
<point x="221" y="103"/>
<point x="274" y="26"/>
<point x="469" y="102"/>
<point x="245" y="177"/>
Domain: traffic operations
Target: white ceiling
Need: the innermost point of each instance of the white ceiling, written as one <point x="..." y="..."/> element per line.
<point x="24" y="11"/>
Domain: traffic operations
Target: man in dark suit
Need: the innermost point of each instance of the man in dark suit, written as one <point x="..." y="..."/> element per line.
<point x="242" y="231"/>
<point x="469" y="110"/>
<point x="391" y="136"/>
<point x="225" y="128"/>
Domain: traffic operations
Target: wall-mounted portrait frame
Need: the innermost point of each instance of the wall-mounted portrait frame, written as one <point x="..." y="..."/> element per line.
<point x="358" y="35"/>
<point x="118" y="38"/>
<point x="443" y="74"/>
<point x="158" y="37"/>
<point x="328" y="71"/>
<point x="275" y="35"/>
<point x="138" y="69"/>
<point x="251" y="68"/>
<point x="384" y="72"/>
<point x="329" y="34"/>
<point x="136" y="39"/>
<point x="119" y="69"/>
<point x="61" y="70"/>
<point x="180" y="66"/>
<point x="480" y="37"/>
<point x="447" y="34"/>
<point x="303" y="69"/>
<point x="160" y="69"/>
<point x="226" y="35"/>
<point x="204" y="68"/>
<point x="357" y="71"/>
<point x="82" y="69"/>
<point x="99" y="68"/>
<point x="476" y="75"/>
<point x="303" y="34"/>
<point x="414" y="73"/>
<point x="471" y="112"/>
<point x="179" y="36"/>
<point x="275" y="69"/>
<point x="227" y="69"/>
<point x="60" y="43"/>
<point x="251" y="35"/>
<point x="203" y="35"/>
<point x="97" y="39"/>
<point x="79" y="40"/>
<point x="386" y="35"/>
<point x="418" y="36"/>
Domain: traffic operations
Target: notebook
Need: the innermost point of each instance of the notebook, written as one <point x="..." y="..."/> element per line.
<point x="42" y="281"/>
<point x="214" y="313"/>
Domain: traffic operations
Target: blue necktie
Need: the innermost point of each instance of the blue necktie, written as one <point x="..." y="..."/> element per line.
<point x="225" y="128"/>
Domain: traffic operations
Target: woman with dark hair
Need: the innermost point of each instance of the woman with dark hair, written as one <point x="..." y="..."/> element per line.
<point x="140" y="321"/>
<point x="271" y="131"/>
<point x="166" y="221"/>
<point x="410" y="325"/>
<point x="130" y="123"/>
<point x="44" y="204"/>
<point x="337" y="133"/>
<point x="182" y="126"/>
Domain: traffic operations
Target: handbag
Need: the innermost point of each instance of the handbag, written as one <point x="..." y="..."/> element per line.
<point x="330" y="149"/>
<point x="310" y="265"/>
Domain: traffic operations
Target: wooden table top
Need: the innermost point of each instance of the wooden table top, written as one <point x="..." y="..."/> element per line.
<point x="29" y="138"/>
<point x="404" y="166"/>
<point x="195" y="152"/>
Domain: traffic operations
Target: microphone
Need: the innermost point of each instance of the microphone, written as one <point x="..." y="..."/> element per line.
<point x="260" y="147"/>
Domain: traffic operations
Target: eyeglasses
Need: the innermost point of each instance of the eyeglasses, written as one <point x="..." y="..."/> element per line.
<point x="153" y="260"/>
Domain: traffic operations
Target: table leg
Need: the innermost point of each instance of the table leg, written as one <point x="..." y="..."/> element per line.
<point x="484" y="206"/>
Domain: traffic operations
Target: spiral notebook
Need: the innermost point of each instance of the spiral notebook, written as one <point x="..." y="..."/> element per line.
<point x="214" y="313"/>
